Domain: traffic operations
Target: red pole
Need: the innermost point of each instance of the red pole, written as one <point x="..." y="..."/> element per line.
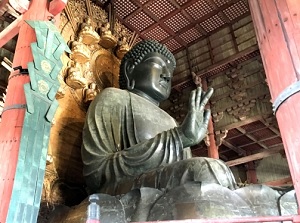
<point x="277" y="28"/>
<point x="251" y="173"/>
<point x="14" y="109"/>
<point x="213" y="150"/>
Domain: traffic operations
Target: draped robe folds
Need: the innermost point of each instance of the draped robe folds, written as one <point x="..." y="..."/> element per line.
<point x="129" y="142"/>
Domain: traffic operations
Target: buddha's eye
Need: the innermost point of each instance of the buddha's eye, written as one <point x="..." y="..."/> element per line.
<point x="156" y="65"/>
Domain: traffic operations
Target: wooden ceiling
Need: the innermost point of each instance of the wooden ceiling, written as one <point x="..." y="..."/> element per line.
<point x="179" y="23"/>
<point x="211" y="38"/>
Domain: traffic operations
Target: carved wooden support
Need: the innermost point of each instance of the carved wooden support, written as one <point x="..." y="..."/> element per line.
<point x="237" y="83"/>
<point x="241" y="111"/>
<point x="217" y="116"/>
<point x="220" y="135"/>
<point x="206" y="139"/>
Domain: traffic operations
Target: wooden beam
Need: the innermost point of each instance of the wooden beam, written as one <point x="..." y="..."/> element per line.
<point x="169" y="15"/>
<point x="238" y="150"/>
<point x="264" y="139"/>
<point x="218" y="65"/>
<point x="241" y="130"/>
<point x="280" y="182"/>
<point x="10" y="31"/>
<point x="257" y="129"/>
<point x="255" y="84"/>
<point x="223" y="157"/>
<point x="251" y="173"/>
<point x="187" y="53"/>
<point x="256" y="156"/>
<point x="249" y="73"/>
<point x="271" y="127"/>
<point x="240" y="123"/>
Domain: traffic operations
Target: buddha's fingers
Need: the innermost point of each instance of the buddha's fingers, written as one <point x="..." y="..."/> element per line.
<point x="192" y="100"/>
<point x="198" y="97"/>
<point x="206" y="97"/>
<point x="206" y="117"/>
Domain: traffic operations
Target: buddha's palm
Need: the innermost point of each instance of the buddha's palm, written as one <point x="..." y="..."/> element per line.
<point x="194" y="126"/>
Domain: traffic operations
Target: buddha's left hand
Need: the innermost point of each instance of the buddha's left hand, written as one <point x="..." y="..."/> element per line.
<point x="194" y="126"/>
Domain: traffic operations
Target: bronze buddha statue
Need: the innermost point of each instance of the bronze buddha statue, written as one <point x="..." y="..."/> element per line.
<point x="127" y="136"/>
<point x="138" y="159"/>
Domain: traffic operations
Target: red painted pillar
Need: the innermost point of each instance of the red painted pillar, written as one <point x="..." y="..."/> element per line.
<point x="277" y="25"/>
<point x="213" y="150"/>
<point x="251" y="173"/>
<point x="14" y="109"/>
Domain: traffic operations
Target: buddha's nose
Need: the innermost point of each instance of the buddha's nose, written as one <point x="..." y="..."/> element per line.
<point x="166" y="75"/>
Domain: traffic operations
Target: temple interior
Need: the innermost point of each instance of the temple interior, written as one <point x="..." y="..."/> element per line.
<point x="215" y="45"/>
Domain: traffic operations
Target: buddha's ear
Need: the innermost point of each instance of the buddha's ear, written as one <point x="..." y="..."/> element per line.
<point x="128" y="69"/>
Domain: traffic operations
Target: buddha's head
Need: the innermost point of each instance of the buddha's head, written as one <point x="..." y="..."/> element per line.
<point x="147" y="70"/>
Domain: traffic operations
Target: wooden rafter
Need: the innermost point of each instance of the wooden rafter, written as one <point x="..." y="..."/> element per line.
<point x="258" y="142"/>
<point x="280" y="182"/>
<point x="241" y="123"/>
<point x="257" y="156"/>
<point x="217" y="65"/>
<point x="272" y="128"/>
<point x="193" y="23"/>
<point x="222" y="156"/>
<point x="241" y="130"/>
<point x="238" y="150"/>
<point x="249" y="86"/>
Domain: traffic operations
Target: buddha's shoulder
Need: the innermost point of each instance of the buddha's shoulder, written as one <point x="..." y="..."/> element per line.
<point x="112" y="94"/>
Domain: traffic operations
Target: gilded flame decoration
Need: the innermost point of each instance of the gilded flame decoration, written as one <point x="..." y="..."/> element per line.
<point x="98" y="42"/>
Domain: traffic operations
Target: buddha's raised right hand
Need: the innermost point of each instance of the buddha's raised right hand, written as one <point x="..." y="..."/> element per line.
<point x="194" y="126"/>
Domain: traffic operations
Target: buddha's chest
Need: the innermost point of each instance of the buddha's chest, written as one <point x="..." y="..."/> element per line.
<point x="150" y="120"/>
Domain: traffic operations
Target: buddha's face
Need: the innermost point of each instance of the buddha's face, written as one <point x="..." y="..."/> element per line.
<point x="153" y="76"/>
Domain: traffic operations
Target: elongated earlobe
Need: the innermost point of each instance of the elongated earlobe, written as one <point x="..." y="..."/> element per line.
<point x="130" y="86"/>
<point x="128" y="70"/>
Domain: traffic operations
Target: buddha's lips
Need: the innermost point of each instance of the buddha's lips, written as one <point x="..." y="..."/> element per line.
<point x="164" y="84"/>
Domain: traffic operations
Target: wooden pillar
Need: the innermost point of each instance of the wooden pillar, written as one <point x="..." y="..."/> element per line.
<point x="251" y="173"/>
<point x="277" y="25"/>
<point x="15" y="104"/>
<point x="213" y="150"/>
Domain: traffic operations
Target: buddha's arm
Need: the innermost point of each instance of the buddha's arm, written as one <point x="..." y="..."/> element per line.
<point x="104" y="163"/>
<point x="164" y="148"/>
<point x="111" y="148"/>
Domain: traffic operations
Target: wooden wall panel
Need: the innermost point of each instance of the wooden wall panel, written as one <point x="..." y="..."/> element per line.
<point x="272" y="168"/>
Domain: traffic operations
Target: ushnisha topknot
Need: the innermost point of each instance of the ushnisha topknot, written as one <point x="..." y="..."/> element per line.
<point x="138" y="52"/>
